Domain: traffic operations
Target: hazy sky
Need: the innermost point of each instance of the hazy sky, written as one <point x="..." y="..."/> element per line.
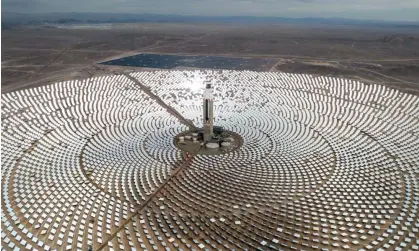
<point x="402" y="10"/>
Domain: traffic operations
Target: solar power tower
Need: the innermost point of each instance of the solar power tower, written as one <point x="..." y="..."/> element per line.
<point x="208" y="112"/>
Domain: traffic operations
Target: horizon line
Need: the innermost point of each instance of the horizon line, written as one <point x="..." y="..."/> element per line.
<point x="219" y="16"/>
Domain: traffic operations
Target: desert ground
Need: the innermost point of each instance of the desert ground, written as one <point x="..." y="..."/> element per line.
<point x="39" y="55"/>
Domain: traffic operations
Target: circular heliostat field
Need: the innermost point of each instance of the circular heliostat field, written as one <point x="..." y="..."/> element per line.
<point x="323" y="163"/>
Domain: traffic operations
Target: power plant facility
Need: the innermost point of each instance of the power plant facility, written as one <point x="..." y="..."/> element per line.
<point x="209" y="139"/>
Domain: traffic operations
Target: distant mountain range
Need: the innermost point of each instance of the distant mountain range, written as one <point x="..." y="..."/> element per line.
<point x="9" y="19"/>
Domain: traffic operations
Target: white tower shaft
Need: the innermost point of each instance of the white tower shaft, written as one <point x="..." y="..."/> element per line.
<point x="208" y="111"/>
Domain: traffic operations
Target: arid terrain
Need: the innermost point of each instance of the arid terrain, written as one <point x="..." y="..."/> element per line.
<point x="38" y="55"/>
